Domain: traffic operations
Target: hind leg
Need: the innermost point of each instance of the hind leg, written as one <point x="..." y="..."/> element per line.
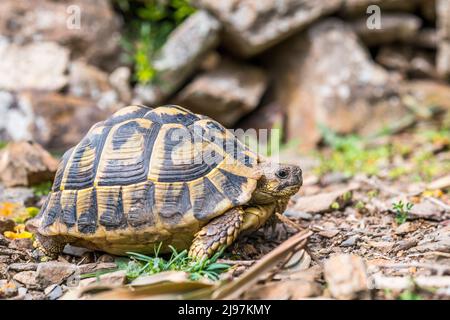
<point x="48" y="248"/>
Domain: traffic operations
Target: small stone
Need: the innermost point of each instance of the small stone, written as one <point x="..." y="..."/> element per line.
<point x="94" y="267"/>
<point x="53" y="292"/>
<point x="27" y="278"/>
<point x="298" y="214"/>
<point x="8" y="289"/>
<point x="406" y="227"/>
<point x="75" y="251"/>
<point x="350" y="241"/>
<point x="116" y="278"/>
<point x="19" y="267"/>
<point x="323" y="202"/>
<point x="21" y="244"/>
<point x="5" y="225"/>
<point x="329" y="233"/>
<point x="346" y="276"/>
<point x="49" y="273"/>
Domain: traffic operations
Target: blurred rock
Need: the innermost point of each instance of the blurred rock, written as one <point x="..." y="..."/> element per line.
<point x="346" y="276"/>
<point x="88" y="28"/>
<point x="225" y="93"/>
<point x="35" y="66"/>
<point x="411" y="62"/>
<point x="53" y="292"/>
<point x="22" y="196"/>
<point x="428" y="9"/>
<point x="120" y="81"/>
<point x="443" y="25"/>
<point x="323" y="202"/>
<point x="324" y="77"/>
<point x="25" y="164"/>
<point x="54" y="120"/>
<point x="427" y="93"/>
<point x="6" y="225"/>
<point x="49" y="273"/>
<point x="179" y="57"/>
<point x="90" y="82"/>
<point x="27" y="278"/>
<point x="428" y="210"/>
<point x="359" y="7"/>
<point x="395" y="27"/>
<point x="116" y="278"/>
<point x="424" y="38"/>
<point x="251" y="26"/>
<point x="268" y="116"/>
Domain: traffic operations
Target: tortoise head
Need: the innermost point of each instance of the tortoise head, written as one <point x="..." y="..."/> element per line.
<point x="277" y="181"/>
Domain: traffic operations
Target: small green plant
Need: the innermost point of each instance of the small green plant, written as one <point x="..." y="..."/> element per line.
<point x="409" y="295"/>
<point x="42" y="189"/>
<point x="402" y="211"/>
<point x="3" y="144"/>
<point x="148" y="25"/>
<point x="178" y="261"/>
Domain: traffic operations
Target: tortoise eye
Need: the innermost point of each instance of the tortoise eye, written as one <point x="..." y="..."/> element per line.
<point x="282" y="173"/>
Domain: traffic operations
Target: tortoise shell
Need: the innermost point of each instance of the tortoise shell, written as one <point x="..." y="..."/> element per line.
<point x="137" y="175"/>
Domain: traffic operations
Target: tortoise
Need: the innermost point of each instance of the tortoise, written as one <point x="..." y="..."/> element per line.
<point x="138" y="180"/>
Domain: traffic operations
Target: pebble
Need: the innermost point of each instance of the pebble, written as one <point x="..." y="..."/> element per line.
<point x="350" y="241"/>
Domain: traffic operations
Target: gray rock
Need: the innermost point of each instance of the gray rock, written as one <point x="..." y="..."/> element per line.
<point x="95" y="38"/>
<point x="34" y="66"/>
<point x="350" y="241"/>
<point x="226" y="93"/>
<point x="252" y="26"/>
<point x="120" y="81"/>
<point x="53" y="292"/>
<point x="180" y="56"/>
<point x="325" y="77"/>
<point x="22" y="196"/>
<point x="90" y="82"/>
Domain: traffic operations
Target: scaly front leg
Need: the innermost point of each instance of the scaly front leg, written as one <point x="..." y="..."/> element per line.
<point x="217" y="234"/>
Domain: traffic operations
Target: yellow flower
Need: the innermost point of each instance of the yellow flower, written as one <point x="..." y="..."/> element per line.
<point x="19" y="233"/>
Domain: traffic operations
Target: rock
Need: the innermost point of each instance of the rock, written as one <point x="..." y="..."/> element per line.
<point x="179" y="57"/>
<point x="333" y="178"/>
<point x="8" y="289"/>
<point x="106" y="258"/>
<point x="95" y="38"/>
<point x="94" y="267"/>
<point x="350" y="241"/>
<point x="443" y="25"/>
<point x="410" y="61"/>
<point x="75" y="251"/>
<point x="406" y="227"/>
<point x="359" y="7"/>
<point x="26" y="164"/>
<point x="297" y="214"/>
<point x="323" y="202"/>
<point x="346" y="276"/>
<point x="4" y="241"/>
<point x="284" y="290"/>
<point x="428" y="210"/>
<point x="21" y="244"/>
<point x="116" y="278"/>
<point x="427" y="93"/>
<point x="252" y="26"/>
<point x="120" y="81"/>
<point x="27" y="278"/>
<point x="424" y="38"/>
<point x="90" y="82"/>
<point x="49" y="273"/>
<point x="268" y="116"/>
<point x="53" y="292"/>
<point x="35" y="66"/>
<point x="22" y="196"/>
<point x="6" y="225"/>
<point x="226" y="93"/>
<point x="428" y="9"/>
<point x="329" y="233"/>
<point x="395" y="27"/>
<point x="324" y="77"/>
<point x="19" y="267"/>
<point x="49" y="119"/>
<point x="437" y="241"/>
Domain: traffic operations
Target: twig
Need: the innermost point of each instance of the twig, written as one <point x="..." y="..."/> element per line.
<point x="237" y="262"/>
